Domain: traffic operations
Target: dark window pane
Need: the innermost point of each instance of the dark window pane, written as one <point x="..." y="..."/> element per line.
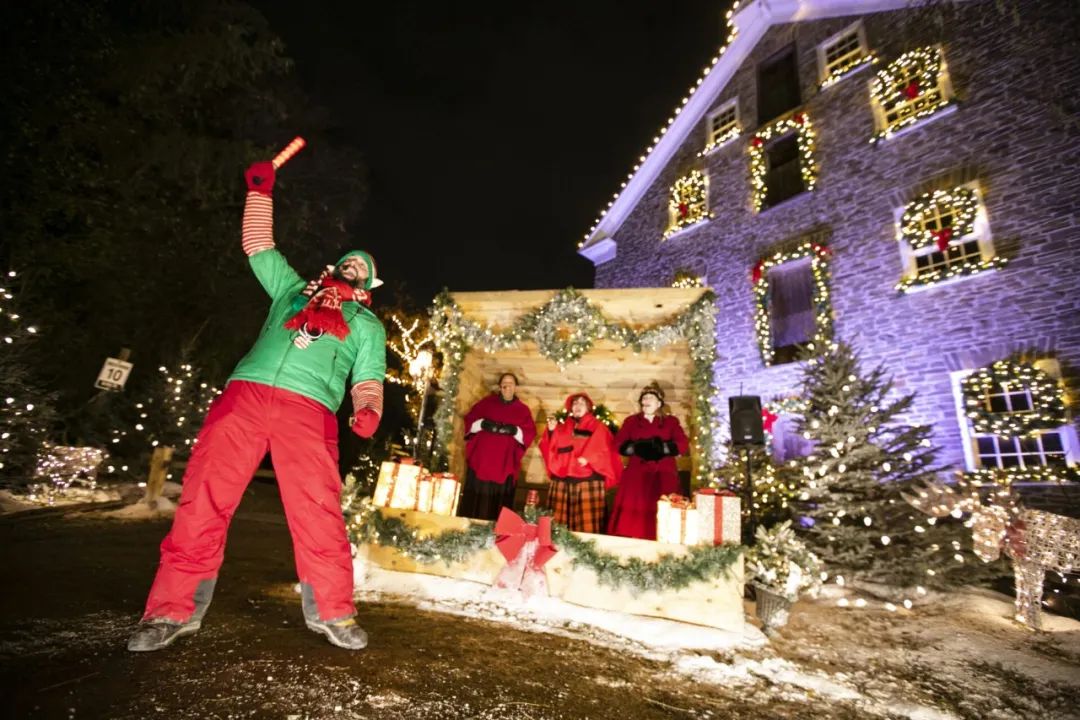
<point x="987" y="445"/>
<point x="1057" y="459"/>
<point x="1020" y="401"/>
<point x="1029" y="445"/>
<point x="997" y="404"/>
<point x="778" y="86"/>
<point x="783" y="174"/>
<point x="1008" y="461"/>
<point x="922" y="261"/>
<point x="988" y="461"/>
<point x="1051" y="442"/>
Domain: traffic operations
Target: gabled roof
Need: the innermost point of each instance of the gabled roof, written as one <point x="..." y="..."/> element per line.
<point x="748" y="24"/>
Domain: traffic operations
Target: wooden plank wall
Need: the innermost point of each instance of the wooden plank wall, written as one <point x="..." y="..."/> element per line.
<point x="610" y="374"/>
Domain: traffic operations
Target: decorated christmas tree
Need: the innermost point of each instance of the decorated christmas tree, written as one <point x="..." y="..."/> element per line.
<point x="864" y="456"/>
<point x="26" y="409"/>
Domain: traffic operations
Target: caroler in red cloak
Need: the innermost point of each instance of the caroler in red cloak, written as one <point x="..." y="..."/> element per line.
<point x="651" y="439"/>
<point x="498" y="429"/>
<point x="581" y="461"/>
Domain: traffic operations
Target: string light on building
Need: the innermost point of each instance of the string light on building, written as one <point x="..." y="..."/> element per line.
<point x="1012" y="377"/>
<point x="909" y="89"/>
<point x="759" y="166"/>
<point x="671" y="120"/>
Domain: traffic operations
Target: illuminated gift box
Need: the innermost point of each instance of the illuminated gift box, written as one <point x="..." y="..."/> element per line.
<point x="446" y="491"/>
<point x="398" y="486"/>
<point x="676" y="520"/>
<point x="718" y="516"/>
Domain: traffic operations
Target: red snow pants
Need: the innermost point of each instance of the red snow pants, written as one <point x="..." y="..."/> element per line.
<point x="243" y="423"/>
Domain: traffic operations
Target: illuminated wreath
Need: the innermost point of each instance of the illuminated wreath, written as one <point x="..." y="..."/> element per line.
<point x="1047" y="400"/>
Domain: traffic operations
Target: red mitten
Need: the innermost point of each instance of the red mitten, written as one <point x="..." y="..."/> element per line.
<point x="365" y="422"/>
<point x="260" y="177"/>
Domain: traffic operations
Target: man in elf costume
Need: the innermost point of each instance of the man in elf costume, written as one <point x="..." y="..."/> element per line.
<point x="582" y="463"/>
<point x="281" y="398"/>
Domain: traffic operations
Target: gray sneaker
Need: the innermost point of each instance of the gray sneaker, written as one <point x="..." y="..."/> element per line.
<point x="158" y="633"/>
<point x="343" y="633"/>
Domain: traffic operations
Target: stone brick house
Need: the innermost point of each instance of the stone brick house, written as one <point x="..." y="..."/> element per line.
<point x="903" y="178"/>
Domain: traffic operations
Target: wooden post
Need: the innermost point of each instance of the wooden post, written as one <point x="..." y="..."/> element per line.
<point x="159" y="469"/>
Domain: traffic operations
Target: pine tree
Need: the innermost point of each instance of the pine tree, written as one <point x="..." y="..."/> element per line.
<point x="776" y="485"/>
<point x="864" y="456"/>
<point x="27" y="412"/>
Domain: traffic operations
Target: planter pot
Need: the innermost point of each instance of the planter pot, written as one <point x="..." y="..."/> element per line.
<point x="772" y="608"/>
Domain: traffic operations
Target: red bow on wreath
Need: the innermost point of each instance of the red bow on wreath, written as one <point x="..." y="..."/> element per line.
<point x="942" y="238"/>
<point x="755" y="273"/>
<point x="527" y="547"/>
<point x="684" y="210"/>
<point x="912" y="90"/>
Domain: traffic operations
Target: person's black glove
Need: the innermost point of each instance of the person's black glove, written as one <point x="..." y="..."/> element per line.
<point x="650" y="449"/>
<point x="505" y="429"/>
<point x="627" y="448"/>
<point x="670" y="448"/>
<point x="489" y="425"/>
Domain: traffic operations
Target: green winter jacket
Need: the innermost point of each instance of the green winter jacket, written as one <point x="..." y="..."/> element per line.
<point x="319" y="370"/>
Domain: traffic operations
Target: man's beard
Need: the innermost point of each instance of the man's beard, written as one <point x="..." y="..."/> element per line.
<point x="358" y="283"/>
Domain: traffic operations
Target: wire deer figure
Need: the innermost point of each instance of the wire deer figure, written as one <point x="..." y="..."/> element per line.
<point x="1035" y="541"/>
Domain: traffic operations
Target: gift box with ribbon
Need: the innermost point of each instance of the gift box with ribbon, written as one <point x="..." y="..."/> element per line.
<point x="718" y="516"/>
<point x="676" y="520"/>
<point x="398" y="486"/>
<point x="445" y="493"/>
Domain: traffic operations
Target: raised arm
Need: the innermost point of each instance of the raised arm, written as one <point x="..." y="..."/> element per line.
<point x="257" y="236"/>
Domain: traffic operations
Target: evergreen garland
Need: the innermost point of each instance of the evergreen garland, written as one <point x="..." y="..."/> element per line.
<point x="702" y="563"/>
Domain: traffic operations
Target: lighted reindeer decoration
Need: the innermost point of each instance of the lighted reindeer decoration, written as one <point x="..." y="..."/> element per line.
<point x="1034" y="540"/>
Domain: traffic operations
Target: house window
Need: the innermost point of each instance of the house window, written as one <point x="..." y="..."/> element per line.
<point x="791" y="309"/>
<point x="782" y="162"/>
<point x="792" y="301"/>
<point x="843" y="54"/>
<point x="944" y="235"/>
<point x="722" y="125"/>
<point x="912" y="87"/>
<point x="688" y="202"/>
<point x="1012" y="419"/>
<point x="778" y="86"/>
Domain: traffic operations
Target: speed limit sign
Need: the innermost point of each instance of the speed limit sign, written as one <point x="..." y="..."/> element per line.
<point x="114" y="373"/>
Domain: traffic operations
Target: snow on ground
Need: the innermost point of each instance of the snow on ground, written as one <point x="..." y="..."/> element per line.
<point x="11" y="502"/>
<point x="963" y="657"/>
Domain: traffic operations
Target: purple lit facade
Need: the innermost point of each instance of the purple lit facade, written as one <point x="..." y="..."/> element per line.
<point x="1009" y="134"/>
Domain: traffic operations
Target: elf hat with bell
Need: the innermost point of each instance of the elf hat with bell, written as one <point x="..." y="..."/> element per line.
<point x="372" y="281"/>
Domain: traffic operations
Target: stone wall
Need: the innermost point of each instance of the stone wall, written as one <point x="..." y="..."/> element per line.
<point x="1015" y="131"/>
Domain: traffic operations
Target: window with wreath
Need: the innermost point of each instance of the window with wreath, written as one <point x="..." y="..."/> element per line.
<point x="1013" y="419"/>
<point x="791" y="294"/>
<point x="782" y="163"/>
<point x="909" y="89"/>
<point x="778" y="85"/>
<point x="722" y="125"/>
<point x="944" y="234"/>
<point x="688" y="202"/>
<point x="843" y="54"/>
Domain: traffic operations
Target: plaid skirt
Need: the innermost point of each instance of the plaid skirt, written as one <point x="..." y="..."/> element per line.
<point x="578" y="503"/>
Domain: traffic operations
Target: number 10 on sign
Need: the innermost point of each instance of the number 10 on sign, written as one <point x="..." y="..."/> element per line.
<point x="114" y="373"/>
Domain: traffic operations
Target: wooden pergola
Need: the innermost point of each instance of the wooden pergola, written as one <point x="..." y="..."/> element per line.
<point x="609" y="373"/>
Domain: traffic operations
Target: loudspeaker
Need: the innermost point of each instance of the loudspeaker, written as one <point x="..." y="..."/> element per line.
<point x="746" y="427"/>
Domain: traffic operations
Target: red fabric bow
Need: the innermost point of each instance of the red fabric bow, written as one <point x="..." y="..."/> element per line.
<point x="512" y="532"/>
<point x="768" y="419"/>
<point x="912" y="90"/>
<point x="684" y="210"/>
<point x="942" y="238"/>
<point x="756" y="142"/>
<point x="755" y="274"/>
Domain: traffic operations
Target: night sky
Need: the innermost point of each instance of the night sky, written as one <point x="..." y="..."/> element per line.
<point x="493" y="136"/>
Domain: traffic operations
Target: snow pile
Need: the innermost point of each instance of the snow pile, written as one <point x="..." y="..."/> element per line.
<point x="546" y="614"/>
<point x="11" y="502"/>
<point x="143" y="509"/>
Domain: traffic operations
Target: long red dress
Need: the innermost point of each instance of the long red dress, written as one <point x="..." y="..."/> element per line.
<point x="645" y="480"/>
<point x="493" y="457"/>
